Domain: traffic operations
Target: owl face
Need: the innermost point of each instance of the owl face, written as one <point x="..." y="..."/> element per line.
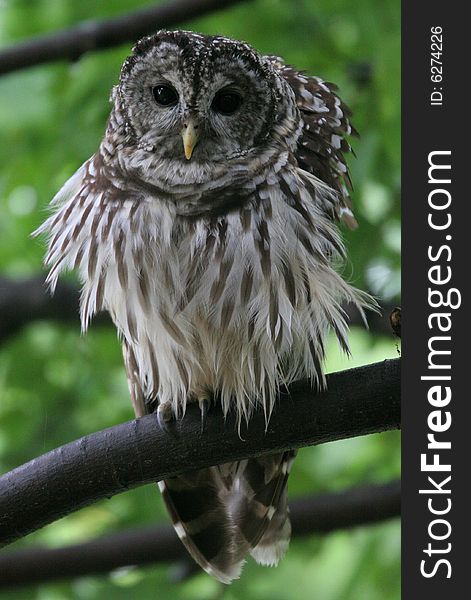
<point x="198" y="99"/>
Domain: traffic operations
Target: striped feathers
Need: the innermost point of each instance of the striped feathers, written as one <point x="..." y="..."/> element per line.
<point x="223" y="513"/>
<point x="323" y="142"/>
<point x="238" y="303"/>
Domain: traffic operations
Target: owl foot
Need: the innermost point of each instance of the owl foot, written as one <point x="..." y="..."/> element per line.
<point x="165" y="416"/>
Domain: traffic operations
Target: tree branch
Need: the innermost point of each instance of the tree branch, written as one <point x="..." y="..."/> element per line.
<point x="357" y="402"/>
<point x="70" y="44"/>
<point x="26" y="300"/>
<point x="312" y="514"/>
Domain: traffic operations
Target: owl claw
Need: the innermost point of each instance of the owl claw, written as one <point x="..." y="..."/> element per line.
<point x="204" y="404"/>
<point x="165" y="416"/>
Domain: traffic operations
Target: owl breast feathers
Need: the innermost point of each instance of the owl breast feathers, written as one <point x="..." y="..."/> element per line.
<point x="205" y="225"/>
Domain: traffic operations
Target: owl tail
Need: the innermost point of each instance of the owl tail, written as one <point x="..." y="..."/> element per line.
<point x="222" y="513"/>
<point x="263" y="513"/>
<point x="201" y="521"/>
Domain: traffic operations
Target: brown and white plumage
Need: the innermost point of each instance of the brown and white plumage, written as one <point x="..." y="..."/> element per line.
<point x="218" y="270"/>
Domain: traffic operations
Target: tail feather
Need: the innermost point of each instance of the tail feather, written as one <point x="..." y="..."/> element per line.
<point x="202" y="522"/>
<point x="262" y="515"/>
<point x="222" y="513"/>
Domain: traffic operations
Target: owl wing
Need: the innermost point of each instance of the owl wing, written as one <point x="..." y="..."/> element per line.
<point x="322" y="144"/>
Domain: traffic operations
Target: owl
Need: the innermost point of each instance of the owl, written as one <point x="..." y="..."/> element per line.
<point x="205" y="224"/>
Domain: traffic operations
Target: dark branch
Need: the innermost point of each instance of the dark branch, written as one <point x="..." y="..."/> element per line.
<point x="23" y="301"/>
<point x="311" y="514"/>
<point x="70" y="44"/>
<point x="357" y="402"/>
<point x="26" y="300"/>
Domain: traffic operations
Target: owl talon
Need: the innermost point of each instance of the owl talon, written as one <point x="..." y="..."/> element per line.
<point x="165" y="416"/>
<point x="205" y="405"/>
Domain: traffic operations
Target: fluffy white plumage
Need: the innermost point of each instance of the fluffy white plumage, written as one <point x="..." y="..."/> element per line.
<point x="141" y="266"/>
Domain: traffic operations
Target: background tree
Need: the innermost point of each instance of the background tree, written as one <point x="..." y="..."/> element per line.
<point x="56" y="386"/>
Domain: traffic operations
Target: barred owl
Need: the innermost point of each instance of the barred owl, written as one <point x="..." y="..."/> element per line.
<point x="205" y="225"/>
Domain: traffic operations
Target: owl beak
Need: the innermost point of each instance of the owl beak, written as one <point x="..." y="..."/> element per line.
<point x="190" y="138"/>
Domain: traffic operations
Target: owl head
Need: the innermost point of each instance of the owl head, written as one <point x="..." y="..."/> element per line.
<point x="189" y="98"/>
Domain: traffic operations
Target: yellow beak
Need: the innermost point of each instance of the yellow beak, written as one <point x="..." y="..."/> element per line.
<point x="190" y="138"/>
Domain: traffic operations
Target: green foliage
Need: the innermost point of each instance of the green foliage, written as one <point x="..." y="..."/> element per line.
<point x="56" y="385"/>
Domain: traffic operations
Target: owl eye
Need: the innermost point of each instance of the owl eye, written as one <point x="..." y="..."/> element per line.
<point x="164" y="95"/>
<point x="226" y="103"/>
